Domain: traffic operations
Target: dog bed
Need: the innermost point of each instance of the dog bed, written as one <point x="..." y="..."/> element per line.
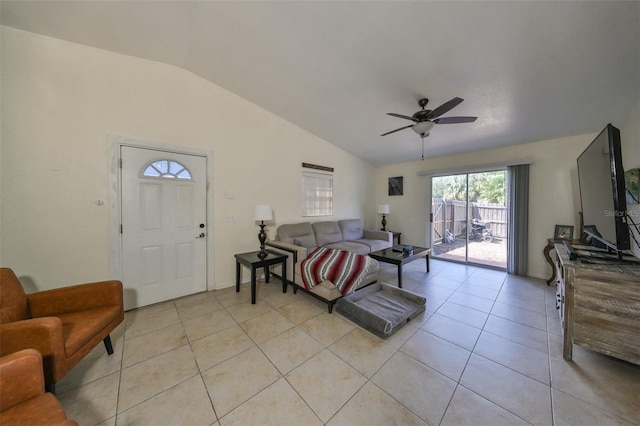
<point x="380" y="308"/>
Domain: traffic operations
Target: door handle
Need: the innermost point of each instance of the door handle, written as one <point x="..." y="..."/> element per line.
<point x="202" y="235"/>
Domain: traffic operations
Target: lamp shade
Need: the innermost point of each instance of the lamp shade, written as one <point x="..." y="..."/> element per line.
<point x="262" y="212"/>
<point x="384" y="209"/>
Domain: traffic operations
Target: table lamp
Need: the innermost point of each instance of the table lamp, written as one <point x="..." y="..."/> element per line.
<point x="383" y="209"/>
<point x="261" y="213"/>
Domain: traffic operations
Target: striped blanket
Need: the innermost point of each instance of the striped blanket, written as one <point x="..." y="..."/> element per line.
<point x="344" y="269"/>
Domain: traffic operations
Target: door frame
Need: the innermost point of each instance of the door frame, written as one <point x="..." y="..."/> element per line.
<point x="115" y="201"/>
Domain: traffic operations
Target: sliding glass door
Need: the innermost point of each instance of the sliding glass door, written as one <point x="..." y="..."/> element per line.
<point x="469" y="218"/>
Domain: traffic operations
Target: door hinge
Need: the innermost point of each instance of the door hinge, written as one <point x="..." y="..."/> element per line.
<point x="431" y="217"/>
<point x="121" y="228"/>
<point x="121" y="163"/>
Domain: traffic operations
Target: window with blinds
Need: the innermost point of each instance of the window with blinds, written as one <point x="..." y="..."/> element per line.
<point x="317" y="194"/>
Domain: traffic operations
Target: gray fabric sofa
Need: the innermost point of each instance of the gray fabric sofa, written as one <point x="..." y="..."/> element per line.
<point x="300" y="239"/>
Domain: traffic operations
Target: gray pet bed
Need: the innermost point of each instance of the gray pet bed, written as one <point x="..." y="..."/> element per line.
<point x="380" y="308"/>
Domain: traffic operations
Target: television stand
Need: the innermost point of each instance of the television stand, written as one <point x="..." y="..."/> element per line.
<point x="551" y="242"/>
<point x="599" y="305"/>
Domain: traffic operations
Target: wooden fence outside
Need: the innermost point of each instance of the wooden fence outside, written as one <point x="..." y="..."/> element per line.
<point x="452" y="215"/>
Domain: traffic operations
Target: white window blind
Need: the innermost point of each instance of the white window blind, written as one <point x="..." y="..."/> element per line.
<point x="317" y="194"/>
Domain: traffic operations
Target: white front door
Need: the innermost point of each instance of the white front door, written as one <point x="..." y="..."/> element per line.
<point x="164" y="225"/>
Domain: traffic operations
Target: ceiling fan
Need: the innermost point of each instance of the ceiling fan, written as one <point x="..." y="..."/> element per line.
<point x="425" y="119"/>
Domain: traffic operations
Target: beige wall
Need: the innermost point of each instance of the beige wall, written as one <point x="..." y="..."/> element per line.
<point x="60" y="101"/>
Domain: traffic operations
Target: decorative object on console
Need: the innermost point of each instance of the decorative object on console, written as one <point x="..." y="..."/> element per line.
<point x="395" y="185"/>
<point x="383" y="209"/>
<point x="563" y="232"/>
<point x="261" y="213"/>
<point x="586" y="236"/>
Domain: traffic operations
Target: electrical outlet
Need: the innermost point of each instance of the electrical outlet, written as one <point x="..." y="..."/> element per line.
<point x="230" y="218"/>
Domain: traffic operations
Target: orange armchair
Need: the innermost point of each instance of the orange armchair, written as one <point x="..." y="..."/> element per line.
<point x="22" y="397"/>
<point x="63" y="324"/>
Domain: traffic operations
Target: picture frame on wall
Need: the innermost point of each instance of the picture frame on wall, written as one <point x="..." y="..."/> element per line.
<point x="395" y="185"/>
<point x="563" y="232"/>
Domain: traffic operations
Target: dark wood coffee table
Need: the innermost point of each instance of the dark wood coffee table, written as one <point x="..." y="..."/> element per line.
<point x="394" y="257"/>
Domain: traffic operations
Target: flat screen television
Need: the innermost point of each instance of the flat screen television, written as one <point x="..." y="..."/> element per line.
<point x="602" y="192"/>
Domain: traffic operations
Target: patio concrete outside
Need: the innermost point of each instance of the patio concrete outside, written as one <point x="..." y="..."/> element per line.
<point x="481" y="252"/>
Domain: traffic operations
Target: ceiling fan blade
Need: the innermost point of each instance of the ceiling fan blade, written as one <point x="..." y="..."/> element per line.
<point x="445" y="107"/>
<point x="397" y="130"/>
<point x="406" y="117"/>
<point x="454" y="120"/>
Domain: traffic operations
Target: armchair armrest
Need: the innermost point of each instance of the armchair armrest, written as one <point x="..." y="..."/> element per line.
<point x="371" y="234"/>
<point x="75" y="298"/>
<point x="42" y="334"/>
<point x="21" y="377"/>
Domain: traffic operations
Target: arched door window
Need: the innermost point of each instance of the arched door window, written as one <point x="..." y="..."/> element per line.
<point x="166" y="169"/>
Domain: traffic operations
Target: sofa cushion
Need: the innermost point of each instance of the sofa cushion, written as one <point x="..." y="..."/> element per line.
<point x="351" y="229"/>
<point x="327" y="233"/>
<point x="373" y="245"/>
<point x="350" y="246"/>
<point x="300" y="234"/>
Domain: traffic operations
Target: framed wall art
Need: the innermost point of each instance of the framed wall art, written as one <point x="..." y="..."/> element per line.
<point x="395" y="185"/>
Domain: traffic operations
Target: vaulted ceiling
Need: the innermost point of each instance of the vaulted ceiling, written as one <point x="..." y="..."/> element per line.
<point x="529" y="70"/>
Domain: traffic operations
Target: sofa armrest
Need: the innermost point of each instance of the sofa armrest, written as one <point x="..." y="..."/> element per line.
<point x="21" y="377"/>
<point x="298" y="253"/>
<point x="370" y="234"/>
<point x="75" y="298"/>
<point x="294" y="252"/>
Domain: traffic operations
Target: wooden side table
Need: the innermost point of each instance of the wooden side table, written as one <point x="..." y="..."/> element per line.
<point x="253" y="261"/>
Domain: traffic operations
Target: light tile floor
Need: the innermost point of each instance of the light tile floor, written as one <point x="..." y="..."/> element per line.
<point x="486" y="352"/>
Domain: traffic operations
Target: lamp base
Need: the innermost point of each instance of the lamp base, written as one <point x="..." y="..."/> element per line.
<point x="262" y="237"/>
<point x="384" y="223"/>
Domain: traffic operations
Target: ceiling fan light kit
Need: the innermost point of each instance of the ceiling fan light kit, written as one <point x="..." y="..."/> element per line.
<point x="425" y="119"/>
<point x="423" y="127"/>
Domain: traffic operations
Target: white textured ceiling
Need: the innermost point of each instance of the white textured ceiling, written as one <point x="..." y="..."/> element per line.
<point x="529" y="70"/>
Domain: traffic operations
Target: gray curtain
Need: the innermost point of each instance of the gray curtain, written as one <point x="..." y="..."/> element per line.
<point x="518" y="178"/>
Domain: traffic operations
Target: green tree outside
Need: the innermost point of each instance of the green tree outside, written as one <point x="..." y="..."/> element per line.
<point x="484" y="187"/>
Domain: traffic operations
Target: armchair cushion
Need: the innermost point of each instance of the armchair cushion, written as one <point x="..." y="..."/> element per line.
<point x="22" y="397"/>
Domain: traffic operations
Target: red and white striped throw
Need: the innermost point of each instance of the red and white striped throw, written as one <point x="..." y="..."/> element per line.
<point x="344" y="269"/>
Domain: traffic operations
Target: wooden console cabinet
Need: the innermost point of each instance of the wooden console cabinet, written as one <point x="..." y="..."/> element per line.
<point x="599" y="305"/>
